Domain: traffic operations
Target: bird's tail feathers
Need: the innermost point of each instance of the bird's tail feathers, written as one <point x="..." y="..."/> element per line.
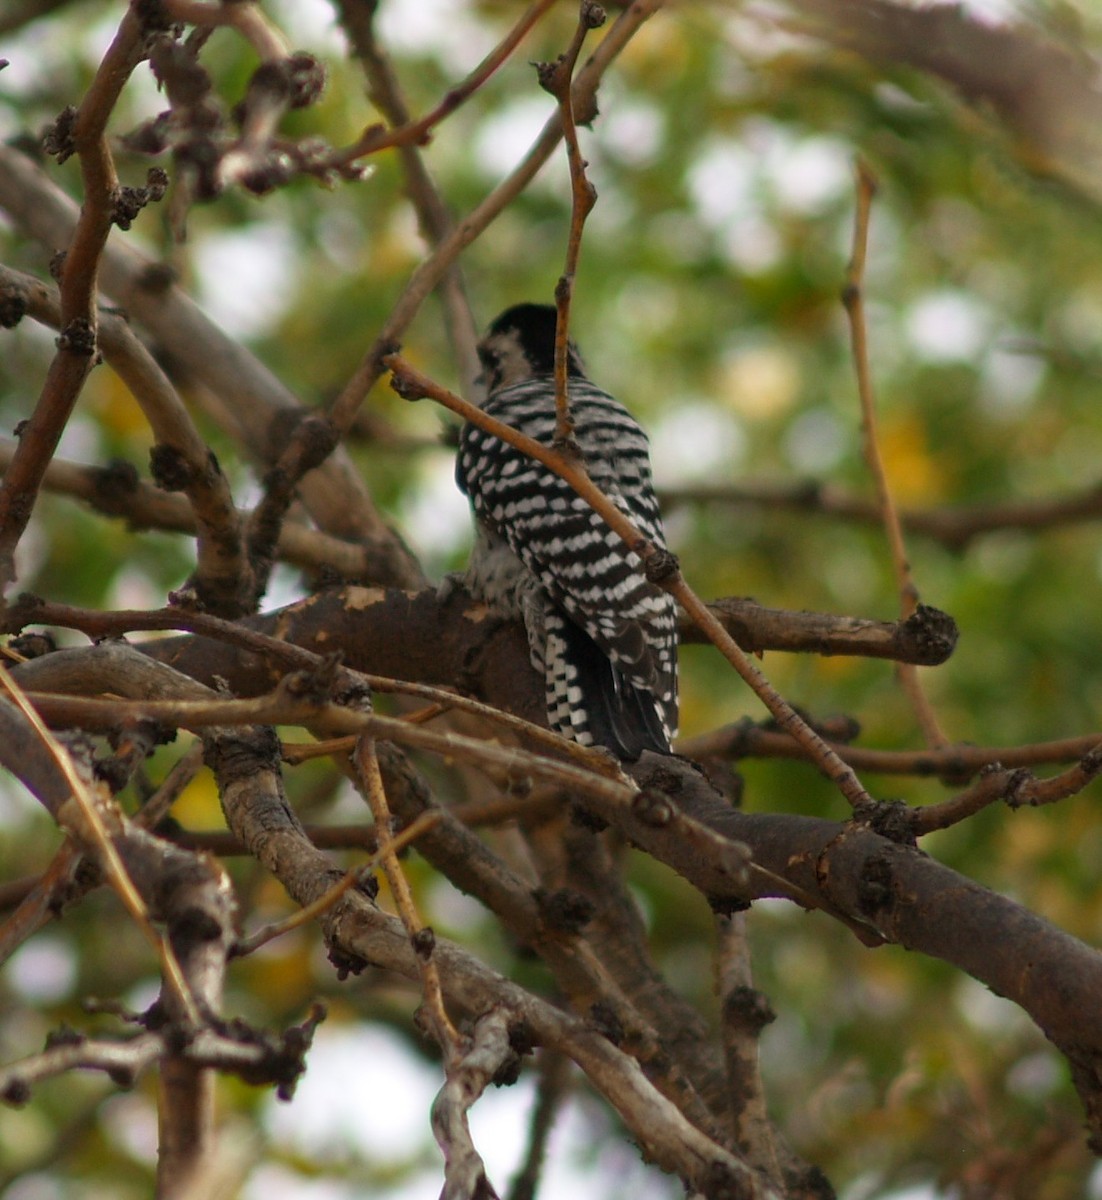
<point x="591" y="700"/>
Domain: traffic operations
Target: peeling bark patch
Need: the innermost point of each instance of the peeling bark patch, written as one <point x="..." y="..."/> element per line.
<point x="359" y="598"/>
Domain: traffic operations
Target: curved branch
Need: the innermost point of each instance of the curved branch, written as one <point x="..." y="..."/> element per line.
<point x="895" y="894"/>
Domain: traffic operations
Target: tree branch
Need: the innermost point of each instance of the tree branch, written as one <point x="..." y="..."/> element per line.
<point x="83" y="133"/>
<point x="333" y="492"/>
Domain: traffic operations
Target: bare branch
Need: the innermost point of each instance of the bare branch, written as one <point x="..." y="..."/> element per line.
<point x="81" y="132"/>
<point x="953" y="764"/>
<point x="432" y="212"/>
<point x="484" y="1058"/>
<point x="745" y="1013"/>
<point x="926" y="638"/>
<point x="182" y="461"/>
<point x="421" y="938"/>
<point x="954" y="527"/>
<point x="557" y="78"/>
<point x="117" y="492"/>
<point x="407" y="131"/>
<point x="854" y="302"/>
<point x="255" y="1056"/>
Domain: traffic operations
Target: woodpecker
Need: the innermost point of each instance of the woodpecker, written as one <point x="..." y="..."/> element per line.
<point x="601" y="634"/>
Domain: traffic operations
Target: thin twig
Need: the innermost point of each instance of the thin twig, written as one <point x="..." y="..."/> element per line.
<point x="323" y="903"/>
<point x="256" y="1056"/>
<point x="37" y="903"/>
<point x="90" y="827"/>
<point x="430" y="271"/>
<point x="433" y="213"/>
<point x="1017" y="786"/>
<point x="280" y="708"/>
<point x="416" y="132"/>
<point x="557" y="78"/>
<point x="853" y="300"/>
<point x="420" y="936"/>
<point x="953" y="527"/>
<point x="158" y="806"/>
<point x="953" y="763"/>
<point x="554" y="743"/>
<point x="491" y="812"/>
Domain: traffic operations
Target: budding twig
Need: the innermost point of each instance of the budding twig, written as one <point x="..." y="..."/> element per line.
<point x="557" y="78"/>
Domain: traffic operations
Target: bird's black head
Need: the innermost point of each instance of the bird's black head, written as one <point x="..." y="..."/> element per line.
<point x="520" y="344"/>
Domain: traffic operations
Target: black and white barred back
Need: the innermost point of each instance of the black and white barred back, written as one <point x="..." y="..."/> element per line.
<point x="604" y="637"/>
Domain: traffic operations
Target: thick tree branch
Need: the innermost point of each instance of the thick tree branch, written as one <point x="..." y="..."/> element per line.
<point x="899" y="895"/>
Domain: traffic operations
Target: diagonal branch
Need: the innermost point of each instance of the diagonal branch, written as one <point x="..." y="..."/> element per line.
<point x="334" y="493"/>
